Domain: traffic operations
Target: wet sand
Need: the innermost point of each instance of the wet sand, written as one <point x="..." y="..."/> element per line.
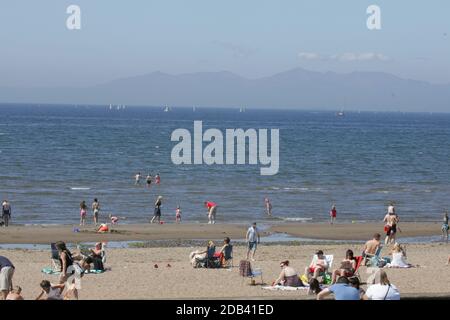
<point x="190" y="231"/>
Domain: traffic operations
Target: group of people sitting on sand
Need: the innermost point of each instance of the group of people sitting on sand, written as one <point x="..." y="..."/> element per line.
<point x="71" y="268"/>
<point x="210" y="258"/>
<point x="346" y="273"/>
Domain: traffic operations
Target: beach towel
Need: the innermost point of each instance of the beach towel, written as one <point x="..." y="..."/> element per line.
<point x="49" y="270"/>
<point x="284" y="288"/>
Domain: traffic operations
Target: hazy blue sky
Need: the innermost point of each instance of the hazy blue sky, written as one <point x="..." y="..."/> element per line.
<point x="252" y="38"/>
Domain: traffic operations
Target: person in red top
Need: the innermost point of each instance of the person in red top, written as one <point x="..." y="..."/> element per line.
<point x="333" y="214"/>
<point x="212" y="209"/>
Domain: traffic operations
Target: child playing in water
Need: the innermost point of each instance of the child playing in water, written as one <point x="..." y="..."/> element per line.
<point x="157" y="179"/>
<point x="178" y="214"/>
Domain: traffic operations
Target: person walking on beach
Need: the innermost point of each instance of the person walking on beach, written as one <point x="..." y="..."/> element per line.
<point x="83" y="213"/>
<point x="137" y="178"/>
<point x="445" y="227"/>
<point x="391" y="221"/>
<point x="333" y="214"/>
<point x="268" y="207"/>
<point x="6" y="212"/>
<point x="212" y="209"/>
<point x="6" y="275"/>
<point x="96" y="210"/>
<point x="253" y="239"/>
<point x="178" y="214"/>
<point x="157" y="214"/>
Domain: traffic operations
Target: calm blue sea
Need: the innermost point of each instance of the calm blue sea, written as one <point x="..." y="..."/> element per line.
<point x="359" y="162"/>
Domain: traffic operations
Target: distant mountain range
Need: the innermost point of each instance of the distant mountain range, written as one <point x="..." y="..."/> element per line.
<point x="294" y="89"/>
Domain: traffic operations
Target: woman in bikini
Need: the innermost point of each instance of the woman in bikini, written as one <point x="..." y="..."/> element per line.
<point x="347" y="268"/>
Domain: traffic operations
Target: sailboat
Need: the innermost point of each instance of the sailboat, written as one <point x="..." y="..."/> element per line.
<point x="193" y="109"/>
<point x="110" y="106"/>
<point x="166" y="109"/>
<point x="242" y="109"/>
<point x="340" y="113"/>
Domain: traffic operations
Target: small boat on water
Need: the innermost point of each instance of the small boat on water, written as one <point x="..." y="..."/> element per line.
<point x="340" y="114"/>
<point x="167" y="109"/>
<point x="242" y="109"/>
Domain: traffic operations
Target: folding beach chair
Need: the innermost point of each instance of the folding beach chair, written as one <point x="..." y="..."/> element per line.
<point x="246" y="271"/>
<point x="56" y="264"/>
<point x="371" y="260"/>
<point x="212" y="259"/>
<point x="359" y="260"/>
<point x="325" y="274"/>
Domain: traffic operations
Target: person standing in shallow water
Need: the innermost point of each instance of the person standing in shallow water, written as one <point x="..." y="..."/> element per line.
<point x="445" y="227"/>
<point x="96" y="210"/>
<point x="137" y="178"/>
<point x="83" y="213"/>
<point x="333" y="214"/>
<point x="212" y="209"/>
<point x="6" y="212"/>
<point x="268" y="206"/>
<point x="157" y="213"/>
<point x="148" y="180"/>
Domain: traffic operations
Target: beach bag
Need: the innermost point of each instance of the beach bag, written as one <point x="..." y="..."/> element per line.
<point x="245" y="269"/>
<point x="327" y="278"/>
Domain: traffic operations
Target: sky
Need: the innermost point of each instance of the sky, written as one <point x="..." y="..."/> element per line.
<point x="252" y="38"/>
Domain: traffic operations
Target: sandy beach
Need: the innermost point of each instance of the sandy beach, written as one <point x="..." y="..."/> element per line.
<point x="146" y="232"/>
<point x="133" y="276"/>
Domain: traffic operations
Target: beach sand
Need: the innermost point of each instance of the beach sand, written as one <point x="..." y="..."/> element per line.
<point x="133" y="276"/>
<point x="189" y="231"/>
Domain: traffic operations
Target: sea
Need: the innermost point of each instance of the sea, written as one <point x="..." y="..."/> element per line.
<point x="52" y="157"/>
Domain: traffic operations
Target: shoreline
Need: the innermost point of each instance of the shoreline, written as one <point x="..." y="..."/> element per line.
<point x="200" y="231"/>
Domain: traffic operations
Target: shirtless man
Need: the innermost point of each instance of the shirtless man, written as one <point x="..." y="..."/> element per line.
<point x="371" y="246"/>
<point x="391" y="220"/>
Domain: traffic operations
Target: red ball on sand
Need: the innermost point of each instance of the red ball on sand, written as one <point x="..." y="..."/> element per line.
<point x="161" y="222"/>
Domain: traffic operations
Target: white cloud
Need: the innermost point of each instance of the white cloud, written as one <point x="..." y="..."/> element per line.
<point x="345" y="57"/>
<point x="365" y="56"/>
<point x="309" y="56"/>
